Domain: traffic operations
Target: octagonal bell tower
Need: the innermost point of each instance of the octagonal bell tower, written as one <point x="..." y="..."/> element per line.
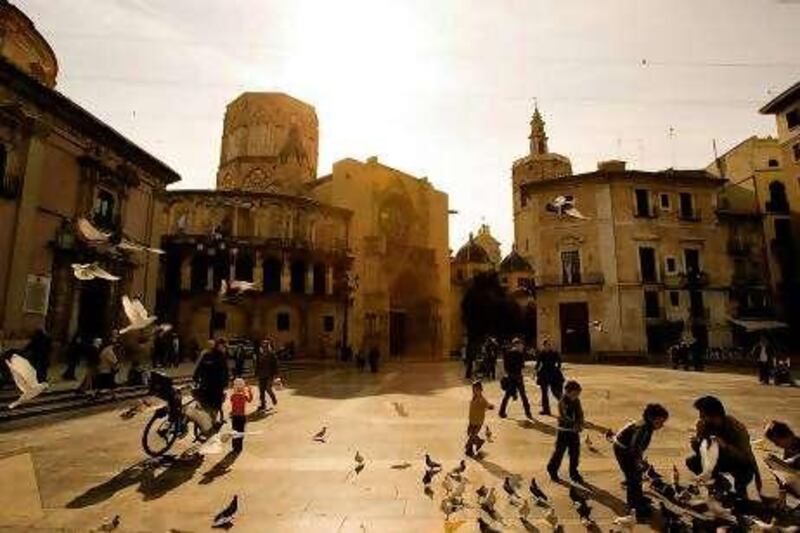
<point x="269" y="144"/>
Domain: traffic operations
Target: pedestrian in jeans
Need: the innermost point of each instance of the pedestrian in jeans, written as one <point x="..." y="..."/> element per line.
<point x="548" y="375"/>
<point x="570" y="425"/>
<point x="630" y="443"/>
<point x="242" y="395"/>
<point x="477" y="414"/>
<point x="266" y="370"/>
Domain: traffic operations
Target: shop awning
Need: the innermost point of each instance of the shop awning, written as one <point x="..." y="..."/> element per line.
<point x="758" y="325"/>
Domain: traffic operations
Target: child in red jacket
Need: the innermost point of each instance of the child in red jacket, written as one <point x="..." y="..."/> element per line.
<point x="242" y="395"/>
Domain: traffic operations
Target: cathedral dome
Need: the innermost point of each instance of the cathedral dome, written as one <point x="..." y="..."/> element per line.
<point x="514" y="262"/>
<point x="22" y="45"/>
<point x="472" y="253"/>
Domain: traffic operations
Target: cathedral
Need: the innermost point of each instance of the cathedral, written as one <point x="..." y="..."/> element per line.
<point x="357" y="257"/>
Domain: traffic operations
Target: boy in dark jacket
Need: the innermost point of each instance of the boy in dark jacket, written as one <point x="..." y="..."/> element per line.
<point x="514" y="363"/>
<point x="570" y="425"/>
<point x="630" y="443"/>
<point x="266" y="370"/>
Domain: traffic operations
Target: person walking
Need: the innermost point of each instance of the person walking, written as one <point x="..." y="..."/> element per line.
<point x="38" y="352"/>
<point x="763" y="356"/>
<point x="266" y="371"/>
<point x="374" y="358"/>
<point x="242" y="395"/>
<point x="87" y="385"/>
<point x="513" y="383"/>
<point x="74" y="351"/>
<point x="211" y="376"/>
<point x="107" y="366"/>
<point x="548" y="375"/>
<point x="630" y="443"/>
<point x="570" y="425"/>
<point x="477" y="415"/>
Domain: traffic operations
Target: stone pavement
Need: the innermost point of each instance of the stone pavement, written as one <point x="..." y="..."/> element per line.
<point x="74" y="474"/>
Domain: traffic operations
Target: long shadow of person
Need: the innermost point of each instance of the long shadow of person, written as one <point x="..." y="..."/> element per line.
<point x="178" y="472"/>
<point x="538" y="426"/>
<point x="219" y="469"/>
<point x="102" y="492"/>
<point x="493" y="468"/>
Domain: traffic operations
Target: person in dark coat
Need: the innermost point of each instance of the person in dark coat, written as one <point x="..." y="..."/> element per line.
<point x="630" y="443"/>
<point x="266" y="371"/>
<point x="74" y="351"/>
<point x="38" y="351"/>
<point x="548" y="375"/>
<point x="513" y="383"/>
<point x="160" y="346"/>
<point x="211" y="376"/>
<point x="374" y="357"/>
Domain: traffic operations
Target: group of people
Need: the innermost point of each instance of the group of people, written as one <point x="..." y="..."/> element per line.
<point x="772" y="366"/>
<point x="685" y="353"/>
<point x="736" y="460"/>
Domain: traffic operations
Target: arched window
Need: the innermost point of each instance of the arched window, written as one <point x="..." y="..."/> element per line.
<point x="104" y="209"/>
<point x="199" y="272"/>
<point x="298" y="273"/>
<point x="244" y="267"/>
<point x="319" y="279"/>
<point x="778" y="202"/>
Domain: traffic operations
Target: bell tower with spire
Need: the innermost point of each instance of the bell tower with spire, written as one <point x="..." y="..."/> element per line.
<point x="538" y="137"/>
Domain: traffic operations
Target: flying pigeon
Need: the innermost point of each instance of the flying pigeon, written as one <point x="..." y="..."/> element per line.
<point x="90" y="271"/>
<point x="430" y="463"/>
<point x="537" y="492"/>
<point x="25" y="378"/>
<point x="225" y="517"/>
<point x="235" y="288"/>
<point x="489" y="437"/>
<point x="111" y="525"/>
<point x="96" y="237"/>
<point x="590" y="445"/>
<point x="598" y="326"/>
<point x="565" y="205"/>
<point x="319" y="436"/>
<point x="138" y="317"/>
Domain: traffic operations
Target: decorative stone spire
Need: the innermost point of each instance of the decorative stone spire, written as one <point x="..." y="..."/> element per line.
<point x="538" y="137"/>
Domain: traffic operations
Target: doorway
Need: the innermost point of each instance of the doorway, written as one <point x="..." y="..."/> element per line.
<point x="574" y="319"/>
<point x="397" y="332"/>
<point x="93" y="320"/>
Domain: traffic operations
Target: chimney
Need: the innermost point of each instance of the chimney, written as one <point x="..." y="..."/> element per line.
<point x="373" y="160"/>
<point x="612" y="165"/>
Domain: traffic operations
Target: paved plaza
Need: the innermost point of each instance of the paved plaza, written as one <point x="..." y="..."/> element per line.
<point x="73" y="475"/>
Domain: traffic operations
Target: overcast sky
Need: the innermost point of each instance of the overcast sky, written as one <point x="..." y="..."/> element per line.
<point x="437" y="88"/>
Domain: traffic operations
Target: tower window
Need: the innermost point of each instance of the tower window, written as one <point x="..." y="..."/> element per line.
<point x="674" y="298"/>
<point x="664" y="201"/>
<point x="773" y="163"/>
<point x="571" y="267"/>
<point x="793" y="118"/>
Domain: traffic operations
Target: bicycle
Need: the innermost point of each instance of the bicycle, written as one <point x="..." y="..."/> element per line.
<point x="170" y="422"/>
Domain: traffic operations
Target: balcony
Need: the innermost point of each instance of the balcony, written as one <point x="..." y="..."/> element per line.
<point x="748" y="279"/>
<point x="690" y="215"/>
<point x="739" y="247"/>
<point x="585" y="279"/>
<point x="694" y="279"/>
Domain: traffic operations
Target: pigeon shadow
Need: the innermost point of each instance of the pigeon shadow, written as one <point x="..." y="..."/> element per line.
<point x="493" y="468"/>
<point x="537" y="425"/>
<point x="603" y="497"/>
<point x="530" y="528"/>
<point x="219" y="469"/>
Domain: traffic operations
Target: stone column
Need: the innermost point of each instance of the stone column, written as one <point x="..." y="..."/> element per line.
<point x="329" y="280"/>
<point x="23" y="236"/>
<point x="310" y="278"/>
<point x="258" y="270"/>
<point x="186" y="273"/>
<point x="232" y="269"/>
<point x="210" y="277"/>
<point x="286" y="275"/>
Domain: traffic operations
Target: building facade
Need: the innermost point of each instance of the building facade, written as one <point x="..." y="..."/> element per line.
<point x="60" y="163"/>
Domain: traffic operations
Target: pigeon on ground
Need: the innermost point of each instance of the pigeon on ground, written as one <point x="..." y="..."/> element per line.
<point x="400" y="409"/>
<point x="135" y="409"/>
<point x="565" y="205"/>
<point x="137" y="315"/>
<point x="590" y="445"/>
<point x="458" y="470"/>
<point x="401" y="466"/>
<point x="676" y="478"/>
<point x="524" y="509"/>
<point x="624" y="523"/>
<point x="359" y="459"/>
<point x="96" y="237"/>
<point x="761" y="526"/>
<point x="429" y="491"/>
<point x="111" y="525"/>
<point x="428" y="476"/>
<point x="508" y="486"/>
<point x="489" y="436"/>
<point x="482" y="492"/>
<point x="225" y="517"/>
<point x="485" y="527"/>
<point x="609" y="435"/>
<point x="90" y="271"/>
<point x="431" y="464"/>
<point x="25" y="378"/>
<point x="538" y="494"/>
<point x="551" y="518"/>
<point x="319" y="436"/>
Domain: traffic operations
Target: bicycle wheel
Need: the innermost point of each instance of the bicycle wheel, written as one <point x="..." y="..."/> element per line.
<point x="159" y="435"/>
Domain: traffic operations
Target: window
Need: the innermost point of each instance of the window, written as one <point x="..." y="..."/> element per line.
<point x="796" y="152"/>
<point x="327" y="323"/>
<point x="772" y="163"/>
<point x="571" y="267"/>
<point x="319" y="279"/>
<point x="778" y="203"/>
<point x="793" y="118"/>
<point x="674" y="298"/>
<point x="272" y="274"/>
<point x="283" y="322"/>
<point x="647" y="264"/>
<point x="297" y="272"/>
<point x="691" y="260"/>
<point x="651" y="309"/>
<point x="686" y="206"/>
<point x="642" y="203"/>
<point x="672" y="265"/>
<point x="103" y="214"/>
<point x="664" y="201"/>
